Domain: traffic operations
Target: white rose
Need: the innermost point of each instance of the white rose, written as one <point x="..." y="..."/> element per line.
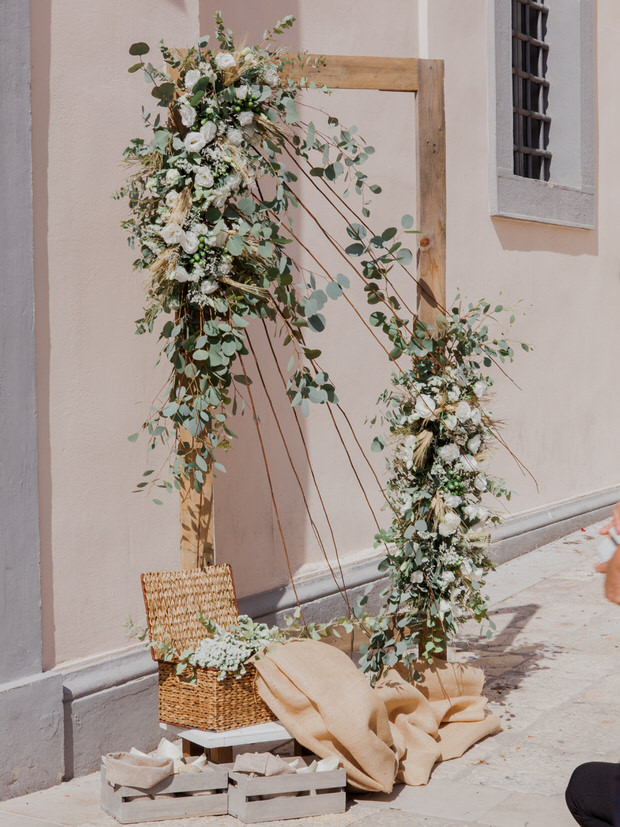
<point x="188" y="114"/>
<point x="235" y="137"/>
<point x="195" y="141"/>
<point x="219" y="200"/>
<point x="450" y="421"/>
<point x="204" y="177"/>
<point x="225" y="266"/>
<point x="180" y="274"/>
<point x="406" y="449"/>
<point x="172" y="233"/>
<point x="416" y="577"/>
<point x="480" y="388"/>
<point x="476" y="416"/>
<point x="449" y="524"/>
<point x="473" y="444"/>
<point x="208" y="287"/>
<point x="233" y="181"/>
<point x="424" y="405"/>
<point x="481" y="482"/>
<point x="189" y="242"/>
<point x="241" y="92"/>
<point x="224" y="60"/>
<point x="171" y="199"/>
<point x="246" y="118"/>
<point x="191" y="78"/>
<point x="448" y="453"/>
<point x="172" y="176"/>
<point x="208" y="132"/>
<point x="452" y="500"/>
<point x="205" y="68"/>
<point x="468" y="463"/>
<point x="476" y="512"/>
<point x="271" y="77"/>
<point x="471" y="512"/>
<point x="444" y="608"/>
<point x="463" y="411"/>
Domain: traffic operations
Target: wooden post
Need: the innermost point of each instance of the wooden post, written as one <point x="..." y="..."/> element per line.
<point x="196" y="519"/>
<point x="431" y="189"/>
<point x="431" y="211"/>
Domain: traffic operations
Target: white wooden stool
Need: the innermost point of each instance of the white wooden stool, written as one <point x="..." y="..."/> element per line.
<point x="220" y="744"/>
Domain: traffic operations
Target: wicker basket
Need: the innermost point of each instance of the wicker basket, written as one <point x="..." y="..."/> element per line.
<point x="173" y="600"/>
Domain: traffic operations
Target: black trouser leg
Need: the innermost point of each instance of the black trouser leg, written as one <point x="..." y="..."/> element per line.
<point x="590" y="794"/>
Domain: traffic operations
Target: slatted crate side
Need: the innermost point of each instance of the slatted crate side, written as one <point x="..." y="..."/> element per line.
<point x="298" y="796"/>
<point x="185" y="794"/>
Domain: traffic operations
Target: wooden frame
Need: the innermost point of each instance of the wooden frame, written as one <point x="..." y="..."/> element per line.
<point x="425" y="78"/>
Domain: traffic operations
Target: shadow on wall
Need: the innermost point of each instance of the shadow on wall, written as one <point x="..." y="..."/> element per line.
<point x="40" y="34"/>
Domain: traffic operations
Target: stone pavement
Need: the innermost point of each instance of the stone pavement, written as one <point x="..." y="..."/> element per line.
<point x="553" y="675"/>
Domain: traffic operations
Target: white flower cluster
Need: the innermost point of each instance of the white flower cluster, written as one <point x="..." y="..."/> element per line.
<point x="436" y="482"/>
<point x="218" y="118"/>
<point x="229" y="651"/>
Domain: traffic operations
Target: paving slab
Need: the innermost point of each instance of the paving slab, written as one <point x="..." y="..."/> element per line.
<point x="445" y="799"/>
<point x="551" y="675"/>
<point x="527" y="810"/>
<point x="13" y="820"/>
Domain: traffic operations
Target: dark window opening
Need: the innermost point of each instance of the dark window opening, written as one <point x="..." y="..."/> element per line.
<point x="530" y="90"/>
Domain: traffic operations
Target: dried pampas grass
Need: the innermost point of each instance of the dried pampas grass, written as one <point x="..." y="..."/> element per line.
<point x="181" y="209"/>
<point x="423" y="444"/>
<point x="164" y="264"/>
<point x="262" y="292"/>
<point x="438" y="509"/>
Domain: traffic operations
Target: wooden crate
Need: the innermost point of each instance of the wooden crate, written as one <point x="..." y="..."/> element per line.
<point x="297" y="796"/>
<point x="185" y="794"/>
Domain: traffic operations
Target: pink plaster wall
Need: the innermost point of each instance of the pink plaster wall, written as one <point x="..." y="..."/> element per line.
<point x="95" y="378"/>
<point x="566" y="281"/>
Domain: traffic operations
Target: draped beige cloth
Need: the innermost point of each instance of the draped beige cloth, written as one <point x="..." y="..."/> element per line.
<point x="141" y="771"/>
<point x="394" y="732"/>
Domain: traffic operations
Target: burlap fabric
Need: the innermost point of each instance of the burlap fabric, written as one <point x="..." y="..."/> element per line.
<point x="141" y="771"/>
<point x="394" y="732"/>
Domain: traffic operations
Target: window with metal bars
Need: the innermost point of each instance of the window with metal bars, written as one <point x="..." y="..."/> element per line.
<point x="530" y="90"/>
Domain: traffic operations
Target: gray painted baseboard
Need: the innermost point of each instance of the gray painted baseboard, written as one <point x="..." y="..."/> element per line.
<point x="31" y="723"/>
<point x="530" y="531"/>
<point x="112" y="704"/>
<point x="516" y="536"/>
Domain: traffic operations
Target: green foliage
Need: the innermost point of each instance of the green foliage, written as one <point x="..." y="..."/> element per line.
<point x="439" y="435"/>
<point x="216" y="250"/>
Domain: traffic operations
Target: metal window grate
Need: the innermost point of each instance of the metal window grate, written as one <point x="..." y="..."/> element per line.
<point x="530" y="90"/>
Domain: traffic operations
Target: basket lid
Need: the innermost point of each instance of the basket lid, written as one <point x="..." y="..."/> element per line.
<point x="173" y="600"/>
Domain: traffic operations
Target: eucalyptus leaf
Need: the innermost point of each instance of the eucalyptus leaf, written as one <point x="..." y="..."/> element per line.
<point x="137" y="49"/>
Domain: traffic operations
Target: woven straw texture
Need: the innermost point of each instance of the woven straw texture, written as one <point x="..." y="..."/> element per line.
<point x="209" y="703"/>
<point x="173" y="600"/>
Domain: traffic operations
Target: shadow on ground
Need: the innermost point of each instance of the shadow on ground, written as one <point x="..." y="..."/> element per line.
<point x="506" y="662"/>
